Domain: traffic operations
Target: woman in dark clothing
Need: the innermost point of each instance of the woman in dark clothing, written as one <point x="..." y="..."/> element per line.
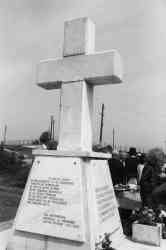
<point x="159" y="196"/>
<point x="149" y="175"/>
<point x="147" y="185"/>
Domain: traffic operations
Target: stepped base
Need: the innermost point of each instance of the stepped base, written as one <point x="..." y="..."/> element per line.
<point x="5" y="233"/>
<point x="68" y="203"/>
<point x="126" y="244"/>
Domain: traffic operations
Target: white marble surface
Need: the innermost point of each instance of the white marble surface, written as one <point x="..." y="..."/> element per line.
<point x="79" y="62"/>
<point x="107" y="219"/>
<point x="97" y="69"/>
<point x="79" y="37"/>
<point x="5" y="233"/>
<point x="69" y="202"/>
<point x="75" y="119"/>
<point x="76" y="74"/>
<point x="81" y="154"/>
<point x="4" y="236"/>
<point x="52" y="203"/>
<point x="126" y="244"/>
<point x="147" y="234"/>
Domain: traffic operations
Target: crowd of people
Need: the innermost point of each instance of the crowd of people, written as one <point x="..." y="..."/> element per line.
<point x="143" y="170"/>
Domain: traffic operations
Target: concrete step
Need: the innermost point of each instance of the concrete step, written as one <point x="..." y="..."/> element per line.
<point x="5" y="233"/>
<point x="126" y="244"/>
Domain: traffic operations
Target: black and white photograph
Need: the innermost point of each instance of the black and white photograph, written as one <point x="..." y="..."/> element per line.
<point x="82" y="125"/>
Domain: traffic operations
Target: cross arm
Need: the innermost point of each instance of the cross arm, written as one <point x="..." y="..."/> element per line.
<point x="96" y="69"/>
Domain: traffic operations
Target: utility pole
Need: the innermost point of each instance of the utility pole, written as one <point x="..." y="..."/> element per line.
<point x="5" y="132"/>
<point x="113" y="138"/>
<point x="52" y="128"/>
<point x="101" y="124"/>
<point x="165" y="147"/>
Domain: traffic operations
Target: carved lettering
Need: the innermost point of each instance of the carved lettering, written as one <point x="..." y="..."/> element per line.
<point x="105" y="202"/>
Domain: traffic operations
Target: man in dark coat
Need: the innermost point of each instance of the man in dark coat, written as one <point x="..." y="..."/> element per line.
<point x="116" y="168"/>
<point x="131" y="165"/>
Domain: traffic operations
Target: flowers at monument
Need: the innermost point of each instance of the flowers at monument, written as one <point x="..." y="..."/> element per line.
<point x="146" y="216"/>
<point x="104" y="243"/>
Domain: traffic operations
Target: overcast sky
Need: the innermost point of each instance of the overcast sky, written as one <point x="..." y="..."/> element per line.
<point x="33" y="30"/>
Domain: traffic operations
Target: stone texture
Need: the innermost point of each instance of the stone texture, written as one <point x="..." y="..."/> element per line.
<point x="104" y="213"/>
<point x="76" y="74"/>
<point x="147" y="234"/>
<point x="53" y="200"/>
<point x="26" y="241"/>
<point x="52" y="244"/>
<point x="81" y="154"/>
<point x="96" y="69"/>
<point x="79" y="37"/>
<point x="69" y="201"/>
<point x="76" y="115"/>
<point x="82" y="205"/>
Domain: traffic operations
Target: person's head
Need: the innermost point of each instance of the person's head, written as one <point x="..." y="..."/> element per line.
<point x="123" y="155"/>
<point x="132" y="151"/>
<point x="1" y="146"/>
<point x="155" y="157"/>
<point x="115" y="154"/>
<point x="142" y="158"/>
<point x="109" y="149"/>
<point x="45" y="137"/>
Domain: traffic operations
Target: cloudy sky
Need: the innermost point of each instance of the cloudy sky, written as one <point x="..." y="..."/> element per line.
<point x="33" y="30"/>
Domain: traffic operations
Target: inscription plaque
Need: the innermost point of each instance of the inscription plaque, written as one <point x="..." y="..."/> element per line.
<point x="106" y="209"/>
<point x="106" y="205"/>
<point x="53" y="204"/>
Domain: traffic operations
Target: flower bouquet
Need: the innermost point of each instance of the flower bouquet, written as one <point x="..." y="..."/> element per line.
<point x="104" y="243"/>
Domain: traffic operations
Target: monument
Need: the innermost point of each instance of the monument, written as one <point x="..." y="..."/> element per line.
<point x="69" y="201"/>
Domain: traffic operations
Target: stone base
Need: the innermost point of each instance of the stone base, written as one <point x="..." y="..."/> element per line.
<point x="68" y="203"/>
<point x="126" y="244"/>
<point x="5" y="233"/>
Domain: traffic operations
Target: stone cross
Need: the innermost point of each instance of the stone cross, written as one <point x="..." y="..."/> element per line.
<point x="75" y="75"/>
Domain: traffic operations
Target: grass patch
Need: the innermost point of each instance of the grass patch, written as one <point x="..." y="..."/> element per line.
<point x="13" y="177"/>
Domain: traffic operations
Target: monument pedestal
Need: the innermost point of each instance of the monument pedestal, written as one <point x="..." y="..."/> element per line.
<point x="68" y="202"/>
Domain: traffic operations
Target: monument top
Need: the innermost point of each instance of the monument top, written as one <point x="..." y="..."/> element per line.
<point x="69" y="201"/>
<point x="79" y="63"/>
<point x="76" y="74"/>
<point x="79" y="37"/>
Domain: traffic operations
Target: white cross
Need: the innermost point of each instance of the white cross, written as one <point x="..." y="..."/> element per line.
<point x="76" y="74"/>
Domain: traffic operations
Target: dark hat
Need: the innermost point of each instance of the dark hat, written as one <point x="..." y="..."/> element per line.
<point x="132" y="151"/>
